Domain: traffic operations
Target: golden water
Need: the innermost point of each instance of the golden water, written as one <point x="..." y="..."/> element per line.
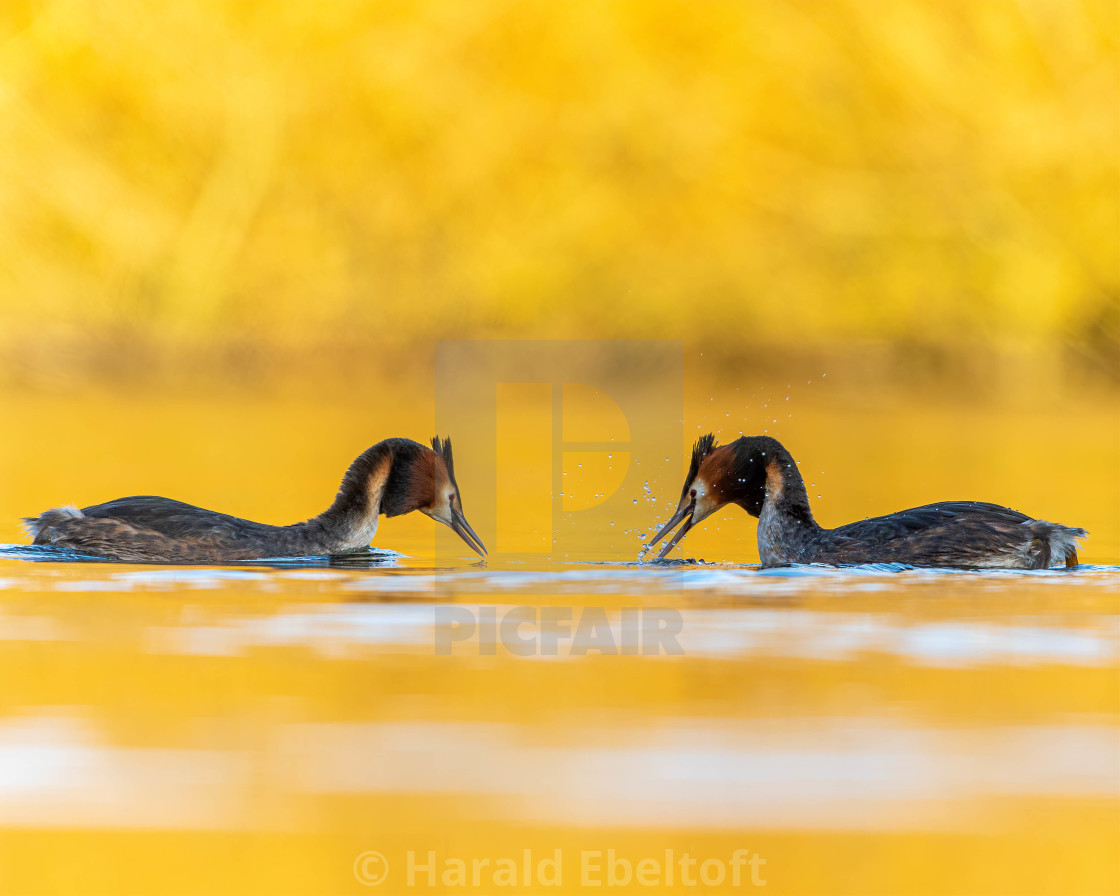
<point x="257" y="729"/>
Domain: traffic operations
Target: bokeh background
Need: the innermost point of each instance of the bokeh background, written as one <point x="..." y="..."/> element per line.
<point x="245" y="192"/>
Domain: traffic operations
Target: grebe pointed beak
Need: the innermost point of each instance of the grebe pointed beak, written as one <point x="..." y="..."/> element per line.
<point x="680" y="534"/>
<point x="683" y="513"/>
<point x="463" y="529"/>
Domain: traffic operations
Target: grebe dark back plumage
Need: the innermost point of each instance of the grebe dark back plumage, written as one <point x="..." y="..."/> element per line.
<point x="760" y="475"/>
<point x="393" y="477"/>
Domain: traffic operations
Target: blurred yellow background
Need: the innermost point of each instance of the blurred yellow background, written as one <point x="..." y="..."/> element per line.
<point x="250" y="193"/>
<point x="231" y="235"/>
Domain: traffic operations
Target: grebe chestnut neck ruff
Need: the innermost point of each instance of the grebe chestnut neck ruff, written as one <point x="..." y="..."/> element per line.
<point x="393" y="477"/>
<point x="760" y="475"/>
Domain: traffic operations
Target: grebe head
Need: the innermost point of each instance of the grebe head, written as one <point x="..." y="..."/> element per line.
<point x="447" y="503"/>
<point x="424" y="480"/>
<point x="719" y="475"/>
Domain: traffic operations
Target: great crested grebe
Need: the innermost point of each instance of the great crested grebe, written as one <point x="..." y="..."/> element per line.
<point x="759" y="475"/>
<point x="393" y="477"/>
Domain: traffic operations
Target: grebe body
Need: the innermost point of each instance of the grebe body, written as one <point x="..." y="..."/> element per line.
<point x="759" y="474"/>
<point x="394" y="477"/>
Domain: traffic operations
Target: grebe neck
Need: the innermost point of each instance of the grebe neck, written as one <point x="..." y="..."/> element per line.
<point x="351" y="521"/>
<point x="787" y="532"/>
<point x="785" y="489"/>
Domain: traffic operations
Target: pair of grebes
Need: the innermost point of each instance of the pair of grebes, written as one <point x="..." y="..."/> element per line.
<point x="398" y="476"/>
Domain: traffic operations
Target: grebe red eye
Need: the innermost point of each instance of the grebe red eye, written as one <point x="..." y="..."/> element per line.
<point x="693" y="493"/>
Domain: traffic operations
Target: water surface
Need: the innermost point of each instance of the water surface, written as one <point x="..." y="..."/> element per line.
<point x="297" y="727"/>
<point x="263" y="727"/>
